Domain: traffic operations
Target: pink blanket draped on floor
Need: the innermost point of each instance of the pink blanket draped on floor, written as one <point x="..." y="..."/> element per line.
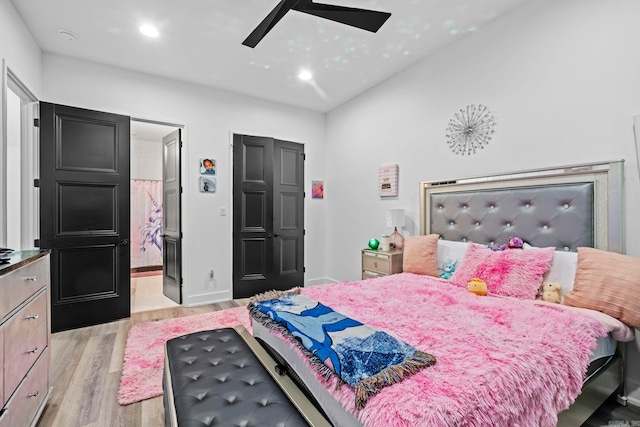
<point x="501" y="362"/>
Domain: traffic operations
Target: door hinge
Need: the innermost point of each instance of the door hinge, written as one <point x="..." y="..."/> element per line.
<point x="180" y="190"/>
<point x="304" y="194"/>
<point x="36" y="243"/>
<point x="36" y="122"/>
<point x="36" y="183"/>
<point x="181" y="235"/>
<point x="304" y="232"/>
<point x="304" y="269"/>
<point x="304" y="156"/>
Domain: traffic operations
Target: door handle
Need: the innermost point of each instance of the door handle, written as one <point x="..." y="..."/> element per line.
<point x="125" y="242"/>
<point x="276" y="235"/>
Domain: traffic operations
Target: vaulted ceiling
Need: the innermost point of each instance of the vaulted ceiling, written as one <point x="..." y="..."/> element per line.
<point x="200" y="41"/>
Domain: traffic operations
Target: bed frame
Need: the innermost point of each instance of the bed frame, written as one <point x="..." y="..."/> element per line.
<point x="565" y="207"/>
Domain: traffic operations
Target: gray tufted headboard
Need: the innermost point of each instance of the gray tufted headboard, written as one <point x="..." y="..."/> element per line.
<point x="565" y="207"/>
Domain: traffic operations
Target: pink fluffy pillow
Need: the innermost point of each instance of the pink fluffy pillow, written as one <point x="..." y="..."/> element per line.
<point x="512" y="272"/>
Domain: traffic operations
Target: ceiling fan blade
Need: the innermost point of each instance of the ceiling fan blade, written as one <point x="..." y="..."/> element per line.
<point x="364" y="19"/>
<point x="268" y="23"/>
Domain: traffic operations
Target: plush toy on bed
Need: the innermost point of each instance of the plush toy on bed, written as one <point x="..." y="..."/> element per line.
<point x="552" y="292"/>
<point x="477" y="286"/>
<point x="448" y="269"/>
<point x="514" y="243"/>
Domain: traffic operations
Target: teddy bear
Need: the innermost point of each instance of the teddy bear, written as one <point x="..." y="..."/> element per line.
<point x="552" y="292"/>
<point x="477" y="286"/>
<point x="448" y="269"/>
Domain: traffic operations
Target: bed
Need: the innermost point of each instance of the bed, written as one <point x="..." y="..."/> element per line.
<point x="507" y="361"/>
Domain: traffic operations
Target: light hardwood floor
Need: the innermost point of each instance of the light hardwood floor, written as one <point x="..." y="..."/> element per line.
<point x="146" y="294"/>
<point x="87" y="365"/>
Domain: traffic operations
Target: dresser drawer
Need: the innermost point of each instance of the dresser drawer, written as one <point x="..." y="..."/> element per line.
<point x="2" y="401"/>
<point x="370" y="275"/>
<point x="378" y="263"/>
<point x="25" y="338"/>
<point x="18" y="285"/>
<point x="29" y="397"/>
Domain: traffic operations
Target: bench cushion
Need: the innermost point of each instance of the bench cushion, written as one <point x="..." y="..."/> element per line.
<point x="217" y="381"/>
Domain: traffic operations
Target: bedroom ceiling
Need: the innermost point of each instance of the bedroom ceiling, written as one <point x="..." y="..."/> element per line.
<point x="200" y="42"/>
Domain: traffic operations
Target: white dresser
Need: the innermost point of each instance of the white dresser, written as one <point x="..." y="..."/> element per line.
<point x="24" y="338"/>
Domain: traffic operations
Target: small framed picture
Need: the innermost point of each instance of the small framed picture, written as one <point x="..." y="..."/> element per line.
<point x="317" y="189"/>
<point x="388" y="180"/>
<point x="207" y="184"/>
<point x="207" y="166"/>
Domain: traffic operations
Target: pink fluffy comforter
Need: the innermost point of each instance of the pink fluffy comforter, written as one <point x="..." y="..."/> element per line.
<point x="500" y="361"/>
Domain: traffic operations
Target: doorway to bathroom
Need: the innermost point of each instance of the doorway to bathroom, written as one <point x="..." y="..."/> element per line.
<point x="150" y="244"/>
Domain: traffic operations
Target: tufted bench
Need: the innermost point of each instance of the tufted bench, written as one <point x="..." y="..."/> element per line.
<point x="224" y="377"/>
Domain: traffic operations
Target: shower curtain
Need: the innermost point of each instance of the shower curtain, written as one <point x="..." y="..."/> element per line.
<point x="146" y="223"/>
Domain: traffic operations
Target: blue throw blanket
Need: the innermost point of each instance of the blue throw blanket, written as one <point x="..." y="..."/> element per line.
<point x="363" y="357"/>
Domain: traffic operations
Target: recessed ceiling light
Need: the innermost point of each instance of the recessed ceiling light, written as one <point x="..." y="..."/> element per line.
<point x="67" y="35"/>
<point x="305" y="75"/>
<point x="149" y="30"/>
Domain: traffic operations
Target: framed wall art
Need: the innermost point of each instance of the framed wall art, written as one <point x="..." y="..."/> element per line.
<point x="207" y="184"/>
<point x="207" y="166"/>
<point x="388" y="180"/>
<point x="317" y="189"/>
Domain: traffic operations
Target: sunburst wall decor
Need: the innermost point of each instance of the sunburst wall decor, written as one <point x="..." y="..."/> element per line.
<point x="470" y="129"/>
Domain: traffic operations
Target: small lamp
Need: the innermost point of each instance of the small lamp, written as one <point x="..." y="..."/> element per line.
<point x="395" y="218"/>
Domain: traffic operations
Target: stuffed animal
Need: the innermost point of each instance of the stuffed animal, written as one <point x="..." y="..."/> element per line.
<point x="448" y="269"/>
<point x="514" y="243"/>
<point x="552" y="292"/>
<point x="477" y="286"/>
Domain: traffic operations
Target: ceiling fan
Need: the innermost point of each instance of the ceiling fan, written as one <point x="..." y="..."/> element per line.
<point x="364" y="19"/>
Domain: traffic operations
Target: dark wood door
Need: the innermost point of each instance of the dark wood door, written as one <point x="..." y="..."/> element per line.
<point x="171" y="218"/>
<point x="288" y="214"/>
<point x="84" y="214"/>
<point x="268" y="223"/>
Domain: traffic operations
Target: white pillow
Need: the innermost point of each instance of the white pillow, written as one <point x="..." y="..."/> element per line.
<point x="454" y="251"/>
<point x="563" y="269"/>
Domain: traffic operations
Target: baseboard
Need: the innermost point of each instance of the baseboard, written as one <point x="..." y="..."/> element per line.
<point x="318" y="282"/>
<point x="633" y="401"/>
<point x="146" y="268"/>
<point x="205" y="299"/>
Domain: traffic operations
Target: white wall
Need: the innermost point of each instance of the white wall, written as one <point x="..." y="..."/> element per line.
<point x="22" y="55"/>
<point x="14" y="182"/>
<point x="19" y="49"/>
<point x="563" y="77"/>
<point x="146" y="159"/>
<point x="210" y="117"/>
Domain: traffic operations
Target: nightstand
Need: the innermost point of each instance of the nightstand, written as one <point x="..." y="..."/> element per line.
<point x="380" y="263"/>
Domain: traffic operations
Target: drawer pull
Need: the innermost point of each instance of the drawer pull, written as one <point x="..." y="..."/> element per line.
<point x="33" y="394"/>
<point x="31" y="317"/>
<point x="34" y="350"/>
<point x="375" y="264"/>
<point x="31" y="279"/>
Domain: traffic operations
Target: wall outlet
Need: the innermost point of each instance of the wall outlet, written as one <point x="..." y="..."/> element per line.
<point x="223" y="211"/>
